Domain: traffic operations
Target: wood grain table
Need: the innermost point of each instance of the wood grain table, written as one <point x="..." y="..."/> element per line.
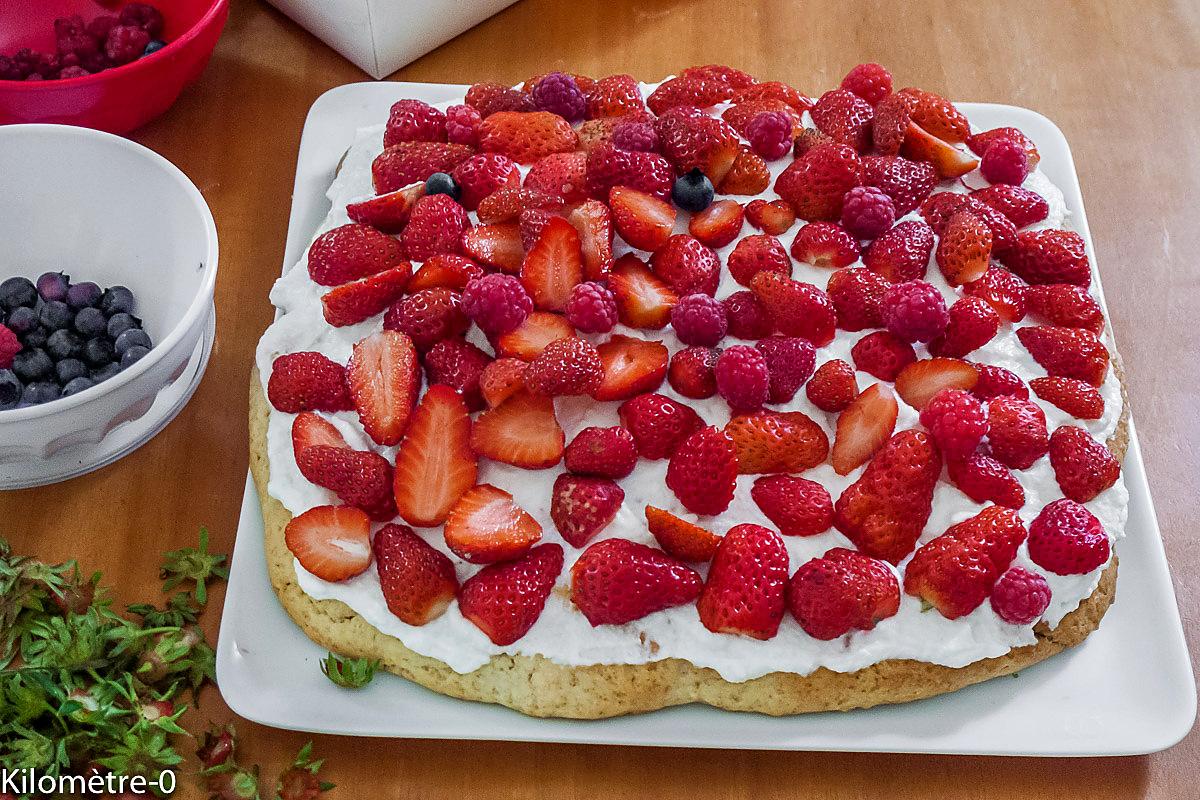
<point x="1119" y="78"/>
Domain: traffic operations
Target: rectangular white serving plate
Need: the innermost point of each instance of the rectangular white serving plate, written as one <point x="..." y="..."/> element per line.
<point x="1127" y="690"/>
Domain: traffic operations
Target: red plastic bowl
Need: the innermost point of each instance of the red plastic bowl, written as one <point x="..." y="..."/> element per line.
<point x="115" y="100"/>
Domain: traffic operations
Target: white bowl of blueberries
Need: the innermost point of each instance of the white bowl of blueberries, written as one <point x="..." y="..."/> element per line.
<point x="106" y="299"/>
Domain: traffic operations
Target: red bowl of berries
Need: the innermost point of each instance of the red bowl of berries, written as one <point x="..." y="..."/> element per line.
<point x="112" y="65"/>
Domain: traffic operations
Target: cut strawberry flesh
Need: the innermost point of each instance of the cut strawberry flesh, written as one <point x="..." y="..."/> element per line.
<point x="863" y="428"/>
<point x="384" y="377"/>
<point x="435" y="464"/>
<point x="486" y="526"/>
<point x="331" y="542"/>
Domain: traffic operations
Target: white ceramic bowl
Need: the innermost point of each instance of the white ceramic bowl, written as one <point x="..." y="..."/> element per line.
<point x="102" y="208"/>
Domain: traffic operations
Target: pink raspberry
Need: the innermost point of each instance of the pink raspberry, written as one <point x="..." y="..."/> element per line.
<point x="699" y="319"/>
<point x="790" y="361"/>
<point x="414" y="121"/>
<point x="915" y="311"/>
<point x="770" y="134"/>
<point x="125" y="43"/>
<point x="1005" y="161"/>
<point x="143" y="16"/>
<point x="635" y="137"/>
<point x="591" y="308"/>
<point x="997" y="381"/>
<point x="746" y="315"/>
<point x="497" y="303"/>
<point x="1020" y="596"/>
<point x="559" y="94"/>
<point x="9" y="347"/>
<point x="871" y="82"/>
<point x="1067" y="539"/>
<point x="867" y="212"/>
<point x="72" y="72"/>
<point x="462" y="125"/>
<point x="743" y="378"/>
<point x="956" y="420"/>
<point x="100" y="26"/>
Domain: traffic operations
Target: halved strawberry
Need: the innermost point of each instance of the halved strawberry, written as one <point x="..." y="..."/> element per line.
<point x="1067" y="352"/>
<point x="696" y="91"/>
<point x="486" y="525"/>
<point x="631" y="367"/>
<point x="562" y="175"/>
<point x="350" y="252"/>
<point x="1003" y="291"/>
<point x="797" y="308"/>
<point x="310" y="430"/>
<point x="984" y="479"/>
<point x="594" y="223"/>
<point x="417" y="580"/>
<point x="1022" y="206"/>
<point x="553" y="266"/>
<point x="406" y="163"/>
<point x="797" y="506"/>
<point x="445" y="272"/>
<point x="681" y="538"/>
<point x="702" y="471"/>
<point x="617" y="581"/>
<point x="496" y="245"/>
<point x="863" y="428"/>
<point x="388" y="212"/>
<point x="773" y="90"/>
<point x="766" y="442"/>
<point x="773" y="218"/>
<point x="745" y="590"/>
<point x="643" y="300"/>
<point x="435" y="464"/>
<point x="505" y="600"/>
<point x="1049" y="256"/>
<point x="815" y="183"/>
<point x="501" y="379"/>
<point x="845" y="117"/>
<point x="351" y="303"/>
<point x="360" y="478"/>
<point x="384" y="376"/>
<point x="840" y="592"/>
<point x="1066" y="305"/>
<point x="1082" y="466"/>
<point x="920" y="381"/>
<point x="582" y="506"/>
<point x="526" y="136"/>
<point x="964" y="249"/>
<point x="938" y="115"/>
<point x="507" y="204"/>
<point x="1077" y="398"/>
<point x="717" y="225"/>
<point x="691" y="140"/>
<point x="748" y="175"/>
<point x="521" y="431"/>
<point x="658" y="424"/>
<point x="948" y="160"/>
<point x="331" y="542"/>
<point x="645" y="222"/>
<point x="529" y="339"/>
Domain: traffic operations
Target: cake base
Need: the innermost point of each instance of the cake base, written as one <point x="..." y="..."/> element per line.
<point x="539" y="687"/>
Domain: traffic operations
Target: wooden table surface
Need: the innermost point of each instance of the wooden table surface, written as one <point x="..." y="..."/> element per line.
<point x="1119" y="78"/>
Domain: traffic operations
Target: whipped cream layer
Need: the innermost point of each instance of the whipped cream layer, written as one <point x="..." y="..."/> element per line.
<point x="562" y="634"/>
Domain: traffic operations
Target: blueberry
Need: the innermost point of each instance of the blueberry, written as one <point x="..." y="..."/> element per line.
<point x="132" y="356"/>
<point x="97" y="352"/>
<point x="115" y="300"/>
<point x="22" y="320"/>
<point x="76" y="386"/>
<point x="53" y="286"/>
<point x="120" y="322"/>
<point x="91" y="322"/>
<point x="64" y="344"/>
<point x="153" y="46"/>
<point x="56" y="315"/>
<point x="693" y="191"/>
<point x="441" y="183"/>
<point x="82" y="295"/>
<point x="11" y="389"/>
<point x="36" y="338"/>
<point x="134" y="337"/>
<point x="40" y="392"/>
<point x="17" y="292"/>
<point x="32" y="365"/>
<point x="69" y="369"/>
<point x="107" y="371"/>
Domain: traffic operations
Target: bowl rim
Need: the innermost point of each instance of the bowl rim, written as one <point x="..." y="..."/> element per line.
<point x="177" y="44"/>
<point x="199" y="306"/>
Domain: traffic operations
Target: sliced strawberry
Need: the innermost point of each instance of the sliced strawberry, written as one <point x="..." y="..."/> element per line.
<point x="767" y="442"/>
<point x="406" y="163"/>
<point x="618" y="581"/>
<point x="497" y="246"/>
<point x="643" y="300"/>
<point x="507" y="204"/>
<point x="501" y="379"/>
<point x="863" y="428"/>
<point x="388" y="212"/>
<point x="964" y="249"/>
<point x="486" y="526"/>
<point x="310" y="430"/>
<point x="798" y="308"/>
<point x="331" y="542"/>
<point x="582" y="506"/>
<point x="645" y="222"/>
<point x="920" y="381"/>
<point x="749" y="174"/>
<point x="445" y="272"/>
<point x="984" y="479"/>
<point x="949" y="161"/>
<point x="745" y="590"/>
<point x="594" y="223"/>
<point x="680" y="538"/>
<point x="562" y="175"/>
<point x="352" y="303"/>
<point x="553" y="266"/>
<point x="1049" y="256"/>
<point x="1066" y="305"/>
<point x="529" y="339"/>
<point x="841" y="592"/>
<point x="717" y="225"/>
<point x="435" y="464"/>
<point x="521" y="431"/>
<point x="773" y="218"/>
<point x="384" y="376"/>
<point x="1067" y="352"/>
<point x="505" y="600"/>
<point x="631" y="367"/>
<point x="1003" y="291"/>
<point x="417" y="580"/>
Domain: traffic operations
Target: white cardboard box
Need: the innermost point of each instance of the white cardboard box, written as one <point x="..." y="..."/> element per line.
<point x="380" y="36"/>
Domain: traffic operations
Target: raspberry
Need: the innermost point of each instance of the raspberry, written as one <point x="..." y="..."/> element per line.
<point x="559" y="94"/>
<point x="497" y="303"/>
<point x="825" y="244"/>
<point x="973" y="323"/>
<point x="414" y="121"/>
<point x="790" y="362"/>
<point x="1005" y="161"/>
<point x="567" y="366"/>
<point x="10" y="345"/>
<point x="1067" y="539"/>
<point x="699" y="319"/>
<point x="101" y="25"/>
<point x="882" y="354"/>
<point x="770" y="134"/>
<point x="592" y="308"/>
<point x="1020" y="597"/>
<point x="125" y="43"/>
<point x="462" y="125"/>
<point x="746" y="316"/>
<point x="915" y="311"/>
<point x="143" y="16"/>
<point x="867" y="212"/>
<point x="308" y="382"/>
<point x="957" y="421"/>
<point x="743" y="378"/>
<point x="691" y="372"/>
<point x="603" y="452"/>
<point x="996" y="381"/>
<point x="871" y="82"/>
<point x="72" y="72"/>
<point x="634" y="136"/>
<point x="458" y="364"/>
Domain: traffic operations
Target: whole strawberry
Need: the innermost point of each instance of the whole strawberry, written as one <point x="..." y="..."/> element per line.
<point x="816" y="183"/>
<point x="418" y="581"/>
<point x="746" y="586"/>
<point x="1049" y="256"/>
<point x="617" y="581"/>
<point x="840" y="592"/>
<point x="350" y="252"/>
<point x="568" y="366"/>
<point x="1016" y="431"/>
<point x="1067" y="539"/>
<point x="604" y="452"/>
<point x="658" y="424"/>
<point x="414" y="121"/>
<point x="307" y="382"/>
<point x="435" y="227"/>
